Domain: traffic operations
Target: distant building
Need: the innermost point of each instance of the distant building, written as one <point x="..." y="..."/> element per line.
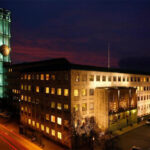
<point x="5" y="49"/>
<point x="49" y="92"/>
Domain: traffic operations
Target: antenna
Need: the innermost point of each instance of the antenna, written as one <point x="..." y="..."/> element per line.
<point x="108" y="55"/>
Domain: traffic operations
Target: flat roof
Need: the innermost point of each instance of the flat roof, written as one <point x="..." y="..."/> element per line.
<point x="60" y="64"/>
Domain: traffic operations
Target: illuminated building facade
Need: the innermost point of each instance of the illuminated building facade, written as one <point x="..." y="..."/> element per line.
<point x="51" y="91"/>
<point x="115" y="107"/>
<point x="4" y="49"/>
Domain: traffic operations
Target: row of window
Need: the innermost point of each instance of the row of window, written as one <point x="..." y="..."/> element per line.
<point x="54" y="105"/>
<point x="83" y="92"/>
<point x="83" y="107"/>
<point x="45" y="128"/>
<point x="47" y="90"/>
<point x="43" y="77"/>
<point x="103" y="78"/>
<point x="16" y="91"/>
<point x="143" y="107"/>
<point x="146" y="97"/>
<point x="52" y="118"/>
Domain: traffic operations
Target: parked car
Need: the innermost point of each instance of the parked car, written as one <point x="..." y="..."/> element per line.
<point x="135" y="148"/>
<point x="148" y="121"/>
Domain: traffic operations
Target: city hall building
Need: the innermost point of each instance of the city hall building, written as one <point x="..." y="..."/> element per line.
<point x="50" y="92"/>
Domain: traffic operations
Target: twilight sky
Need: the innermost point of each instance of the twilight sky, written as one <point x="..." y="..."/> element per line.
<point x="79" y="30"/>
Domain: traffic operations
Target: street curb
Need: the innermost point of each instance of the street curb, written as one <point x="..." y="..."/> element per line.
<point x="128" y="129"/>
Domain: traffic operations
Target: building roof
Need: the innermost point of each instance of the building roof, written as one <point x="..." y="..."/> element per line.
<point x="60" y="64"/>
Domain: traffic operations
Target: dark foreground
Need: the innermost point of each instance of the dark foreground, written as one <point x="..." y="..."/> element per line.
<point x="139" y="137"/>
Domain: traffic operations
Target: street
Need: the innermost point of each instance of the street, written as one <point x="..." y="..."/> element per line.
<point x="139" y="137"/>
<point x="10" y="139"/>
<point x="13" y="141"/>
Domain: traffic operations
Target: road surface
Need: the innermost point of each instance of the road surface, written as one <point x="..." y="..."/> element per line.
<point x="9" y="140"/>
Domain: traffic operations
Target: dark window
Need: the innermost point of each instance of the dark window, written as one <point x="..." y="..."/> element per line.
<point x="91" y="92"/>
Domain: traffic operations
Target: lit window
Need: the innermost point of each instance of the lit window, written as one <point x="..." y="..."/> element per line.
<point x="29" y="77"/>
<point x="76" y="92"/>
<point x="52" y="118"/>
<point x="77" y="78"/>
<point x="53" y="132"/>
<point x="47" y="116"/>
<point x="33" y="123"/>
<point x="84" y="107"/>
<point x="59" y="106"/>
<point x="59" y="91"/>
<point x="47" y="130"/>
<point x="25" y="98"/>
<point x="37" y="125"/>
<point x="25" y="87"/>
<point x="25" y="76"/>
<point x="83" y="92"/>
<point x="22" y="108"/>
<point x="76" y="107"/>
<point x="37" y="89"/>
<point x="59" y="135"/>
<point x="66" y="106"/>
<point x="47" y="76"/>
<point x="91" y="92"/>
<point x="52" y="90"/>
<point x="42" y="127"/>
<point x="26" y="109"/>
<point x="91" y="78"/>
<point x="59" y="120"/>
<point x="21" y="86"/>
<point x="47" y="90"/>
<point x="42" y="76"/>
<point x="52" y="104"/>
<point x="29" y="99"/>
<point x="29" y="87"/>
<point x="53" y="77"/>
<point x="66" y="92"/>
<point x="29" y="121"/>
<point x="22" y="97"/>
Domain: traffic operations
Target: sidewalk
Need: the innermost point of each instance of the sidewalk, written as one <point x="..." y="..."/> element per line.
<point x="129" y="128"/>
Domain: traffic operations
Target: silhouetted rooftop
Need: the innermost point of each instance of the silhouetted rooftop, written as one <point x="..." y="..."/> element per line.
<point x="63" y="64"/>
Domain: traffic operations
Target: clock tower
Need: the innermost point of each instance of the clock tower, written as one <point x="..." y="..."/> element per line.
<point x="5" y="47"/>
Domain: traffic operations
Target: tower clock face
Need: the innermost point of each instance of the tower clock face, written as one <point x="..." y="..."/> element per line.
<point x="4" y="49"/>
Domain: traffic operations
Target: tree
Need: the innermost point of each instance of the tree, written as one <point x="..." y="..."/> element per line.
<point x="85" y="130"/>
